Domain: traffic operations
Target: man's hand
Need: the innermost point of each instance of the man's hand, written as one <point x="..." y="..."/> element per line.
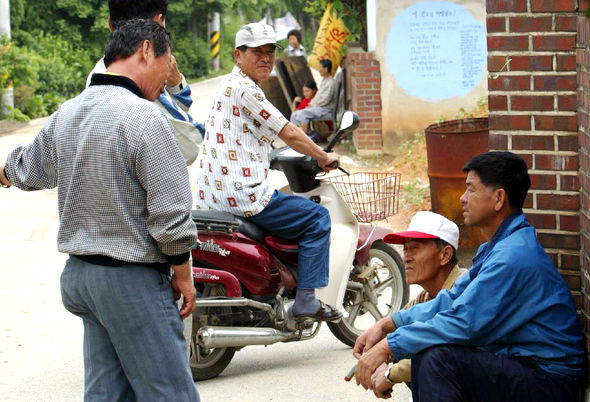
<point x="369" y="362"/>
<point x="182" y="283"/>
<point x="174" y="78"/>
<point x="327" y="159"/>
<point x="373" y="335"/>
<point x="381" y="388"/>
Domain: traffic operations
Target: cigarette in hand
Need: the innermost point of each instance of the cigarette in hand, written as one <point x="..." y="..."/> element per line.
<point x="350" y="374"/>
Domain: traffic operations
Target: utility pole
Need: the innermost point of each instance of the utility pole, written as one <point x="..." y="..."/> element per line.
<point x="214" y="44"/>
<point x="7" y="101"/>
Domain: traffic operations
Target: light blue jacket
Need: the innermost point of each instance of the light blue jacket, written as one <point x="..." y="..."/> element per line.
<point x="511" y="302"/>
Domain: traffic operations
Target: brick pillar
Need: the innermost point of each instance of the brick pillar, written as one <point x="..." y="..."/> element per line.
<point x="533" y="103"/>
<point x="583" y="62"/>
<point x="363" y="90"/>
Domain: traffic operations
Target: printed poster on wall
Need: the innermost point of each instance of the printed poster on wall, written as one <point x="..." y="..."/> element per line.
<point x="436" y="50"/>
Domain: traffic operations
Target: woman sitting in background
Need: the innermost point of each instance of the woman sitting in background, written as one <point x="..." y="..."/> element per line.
<point x="309" y="91"/>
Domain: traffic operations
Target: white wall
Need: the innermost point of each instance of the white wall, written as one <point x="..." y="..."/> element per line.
<point x="447" y="35"/>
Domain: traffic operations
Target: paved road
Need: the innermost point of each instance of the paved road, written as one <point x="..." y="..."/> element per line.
<point x="41" y="343"/>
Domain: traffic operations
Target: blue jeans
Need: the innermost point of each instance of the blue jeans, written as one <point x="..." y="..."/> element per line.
<point x="134" y="349"/>
<point x="452" y="373"/>
<point x="296" y="218"/>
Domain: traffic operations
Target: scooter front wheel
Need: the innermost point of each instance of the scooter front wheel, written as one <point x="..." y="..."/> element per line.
<point x="379" y="291"/>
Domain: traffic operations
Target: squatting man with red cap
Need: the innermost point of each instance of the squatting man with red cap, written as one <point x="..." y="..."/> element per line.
<point x="507" y="330"/>
<point x="430" y="259"/>
<point x="235" y="160"/>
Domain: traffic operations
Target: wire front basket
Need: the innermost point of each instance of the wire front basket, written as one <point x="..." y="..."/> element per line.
<point x="371" y="196"/>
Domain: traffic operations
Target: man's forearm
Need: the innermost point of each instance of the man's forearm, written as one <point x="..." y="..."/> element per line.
<point x="387" y="325"/>
<point x="300" y="142"/>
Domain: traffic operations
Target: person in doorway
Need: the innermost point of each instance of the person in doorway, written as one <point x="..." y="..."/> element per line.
<point x="295" y="47"/>
<point x="176" y="99"/>
<point x="124" y="204"/>
<point x="322" y="105"/>
<point x="430" y="258"/>
<point x="235" y="161"/>
<point x="507" y="330"/>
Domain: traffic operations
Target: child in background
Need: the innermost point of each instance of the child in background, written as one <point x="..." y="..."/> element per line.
<point x="309" y="91"/>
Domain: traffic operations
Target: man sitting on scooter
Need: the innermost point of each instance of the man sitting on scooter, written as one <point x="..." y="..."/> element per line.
<point x="430" y="260"/>
<point x="235" y="159"/>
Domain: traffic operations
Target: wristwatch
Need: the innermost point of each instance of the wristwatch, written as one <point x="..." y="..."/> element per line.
<point x="386" y="374"/>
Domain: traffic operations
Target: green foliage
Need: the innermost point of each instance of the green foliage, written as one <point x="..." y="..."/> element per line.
<point x="18" y="66"/>
<point x="352" y="12"/>
<point x="42" y="76"/>
<point x="55" y="43"/>
<point x="14" y="114"/>
<point x="407" y="150"/>
<point x="415" y="192"/>
<point x="192" y="55"/>
<point x="63" y="68"/>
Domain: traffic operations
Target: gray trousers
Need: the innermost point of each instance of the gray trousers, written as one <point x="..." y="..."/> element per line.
<point x="134" y="349"/>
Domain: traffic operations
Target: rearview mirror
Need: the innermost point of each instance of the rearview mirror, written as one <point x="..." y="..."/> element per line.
<point x="350" y="121"/>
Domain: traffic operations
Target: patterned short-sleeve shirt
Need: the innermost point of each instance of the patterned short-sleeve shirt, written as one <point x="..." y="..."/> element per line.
<point x="234" y="162"/>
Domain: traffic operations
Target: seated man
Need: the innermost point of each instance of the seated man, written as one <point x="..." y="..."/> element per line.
<point x="235" y="160"/>
<point x="322" y="104"/>
<point x="508" y="330"/>
<point x="295" y="47"/>
<point x="430" y="258"/>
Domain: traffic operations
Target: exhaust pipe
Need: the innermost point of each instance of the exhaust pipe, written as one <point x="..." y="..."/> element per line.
<point x="223" y="337"/>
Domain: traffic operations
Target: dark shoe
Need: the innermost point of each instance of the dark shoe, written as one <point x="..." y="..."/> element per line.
<point x="325" y="313"/>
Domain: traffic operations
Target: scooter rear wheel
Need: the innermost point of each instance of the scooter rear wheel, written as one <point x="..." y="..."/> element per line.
<point x="386" y="284"/>
<point x="207" y="364"/>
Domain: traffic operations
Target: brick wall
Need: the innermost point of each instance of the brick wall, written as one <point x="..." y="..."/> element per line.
<point x="533" y="101"/>
<point x="583" y="61"/>
<point x="363" y="90"/>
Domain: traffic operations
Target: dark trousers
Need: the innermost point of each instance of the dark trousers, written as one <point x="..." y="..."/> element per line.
<point x="456" y="373"/>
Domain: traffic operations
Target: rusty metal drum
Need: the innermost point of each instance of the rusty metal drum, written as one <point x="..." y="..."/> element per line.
<point x="449" y="146"/>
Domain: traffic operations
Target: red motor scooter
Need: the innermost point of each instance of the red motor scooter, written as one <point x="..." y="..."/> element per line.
<point x="247" y="278"/>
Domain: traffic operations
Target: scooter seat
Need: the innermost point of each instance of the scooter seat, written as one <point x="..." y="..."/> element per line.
<point x="210" y="215"/>
<point x="218" y="220"/>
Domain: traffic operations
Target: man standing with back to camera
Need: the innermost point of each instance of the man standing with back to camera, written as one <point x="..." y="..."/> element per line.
<point x="125" y="219"/>
<point x="235" y="160"/>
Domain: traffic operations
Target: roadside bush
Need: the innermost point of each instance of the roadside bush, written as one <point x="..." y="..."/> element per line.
<point x="192" y="55"/>
<point x="43" y="75"/>
<point x="62" y="67"/>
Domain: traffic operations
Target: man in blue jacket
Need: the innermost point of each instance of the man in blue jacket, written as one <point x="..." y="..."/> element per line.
<point x="507" y="330"/>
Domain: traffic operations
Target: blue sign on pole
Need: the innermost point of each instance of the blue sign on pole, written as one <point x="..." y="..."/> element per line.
<point x="436" y="50"/>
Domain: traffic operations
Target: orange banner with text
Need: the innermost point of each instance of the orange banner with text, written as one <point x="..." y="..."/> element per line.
<point x="330" y="38"/>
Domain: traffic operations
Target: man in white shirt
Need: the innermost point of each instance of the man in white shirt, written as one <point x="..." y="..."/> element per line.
<point x="235" y="159"/>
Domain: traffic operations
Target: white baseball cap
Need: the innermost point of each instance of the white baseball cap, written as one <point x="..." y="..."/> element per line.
<point x="256" y="34"/>
<point x="427" y="225"/>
